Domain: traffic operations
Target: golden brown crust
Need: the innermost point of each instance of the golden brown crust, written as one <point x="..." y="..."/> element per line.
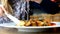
<point x="33" y="23"/>
<point x="28" y="23"/>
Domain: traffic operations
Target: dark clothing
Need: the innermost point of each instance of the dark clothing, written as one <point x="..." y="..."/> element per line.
<point x="46" y="5"/>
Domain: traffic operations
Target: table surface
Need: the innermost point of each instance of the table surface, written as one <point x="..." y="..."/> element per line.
<point x="14" y="31"/>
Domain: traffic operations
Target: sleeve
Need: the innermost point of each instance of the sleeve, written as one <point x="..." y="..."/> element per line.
<point x="20" y="9"/>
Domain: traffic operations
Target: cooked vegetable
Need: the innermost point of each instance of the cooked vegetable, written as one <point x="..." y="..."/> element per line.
<point x="35" y="22"/>
<point x="21" y="23"/>
<point x="28" y="23"/>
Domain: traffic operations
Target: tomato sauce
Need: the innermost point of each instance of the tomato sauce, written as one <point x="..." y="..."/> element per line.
<point x="53" y="24"/>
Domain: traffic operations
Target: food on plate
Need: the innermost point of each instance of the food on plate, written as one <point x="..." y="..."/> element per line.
<point x="27" y="23"/>
<point x="35" y="22"/>
<point x="39" y="23"/>
<point x="21" y="23"/>
<point x="52" y="24"/>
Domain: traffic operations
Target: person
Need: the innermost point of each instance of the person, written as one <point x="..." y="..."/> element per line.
<point x="13" y="7"/>
<point x="3" y="17"/>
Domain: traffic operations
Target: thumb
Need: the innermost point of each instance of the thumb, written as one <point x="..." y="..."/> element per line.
<point x="2" y="7"/>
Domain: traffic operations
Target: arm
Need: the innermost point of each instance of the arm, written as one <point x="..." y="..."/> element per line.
<point x="1" y="12"/>
<point x="37" y="1"/>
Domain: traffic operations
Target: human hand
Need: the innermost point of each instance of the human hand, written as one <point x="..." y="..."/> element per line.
<point x="1" y="11"/>
<point x="27" y="0"/>
<point x="37" y="1"/>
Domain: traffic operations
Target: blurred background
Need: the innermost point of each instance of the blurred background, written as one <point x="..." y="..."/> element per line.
<point x="45" y="6"/>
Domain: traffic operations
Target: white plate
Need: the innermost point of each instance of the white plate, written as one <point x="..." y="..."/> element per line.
<point x="30" y="29"/>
